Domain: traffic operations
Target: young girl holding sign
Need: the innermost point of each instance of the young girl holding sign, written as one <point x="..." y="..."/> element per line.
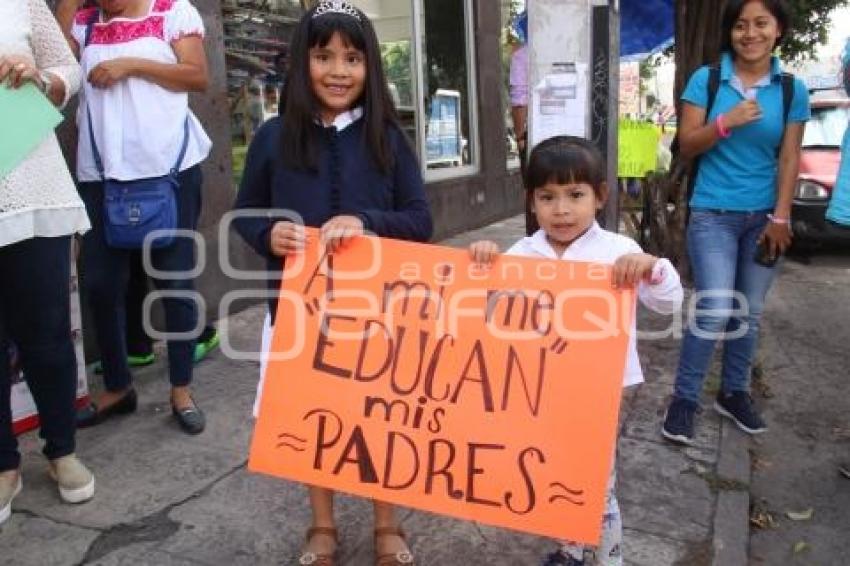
<point x="565" y="187"/>
<point x="337" y="159"/>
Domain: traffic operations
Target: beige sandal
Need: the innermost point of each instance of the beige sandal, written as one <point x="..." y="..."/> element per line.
<point x="400" y="558"/>
<point x="310" y="558"/>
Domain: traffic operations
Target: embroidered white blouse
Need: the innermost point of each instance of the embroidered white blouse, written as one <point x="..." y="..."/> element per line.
<point x="664" y="293"/>
<point x="38" y="197"/>
<point x="138" y="125"/>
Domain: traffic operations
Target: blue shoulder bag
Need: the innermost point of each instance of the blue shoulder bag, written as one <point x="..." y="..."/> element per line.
<point x="133" y="209"/>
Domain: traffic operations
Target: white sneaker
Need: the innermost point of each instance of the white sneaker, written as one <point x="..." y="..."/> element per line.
<point x="75" y="481"/>
<point x="10" y="486"/>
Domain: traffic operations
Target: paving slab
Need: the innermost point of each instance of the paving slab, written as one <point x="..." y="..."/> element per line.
<point x="30" y="539"/>
<point x="644" y="549"/>
<point x="661" y="492"/>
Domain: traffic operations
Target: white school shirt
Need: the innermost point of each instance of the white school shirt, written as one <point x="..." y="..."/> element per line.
<point x="138" y="125"/>
<point x="663" y="295"/>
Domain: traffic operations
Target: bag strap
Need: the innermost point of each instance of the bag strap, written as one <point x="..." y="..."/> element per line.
<point x="98" y="163"/>
<point x="787" y="81"/>
<point x="711" y="88"/>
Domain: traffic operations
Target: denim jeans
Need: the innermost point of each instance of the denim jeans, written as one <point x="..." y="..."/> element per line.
<point x="731" y="289"/>
<point x="35" y="315"/>
<point x="106" y="275"/>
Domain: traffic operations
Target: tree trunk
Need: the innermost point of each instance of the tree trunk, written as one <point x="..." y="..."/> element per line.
<point x="697" y="39"/>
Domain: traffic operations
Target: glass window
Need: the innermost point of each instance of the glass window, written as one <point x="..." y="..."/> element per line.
<point x="393" y="22"/>
<point x="827" y="126"/>
<point x="449" y="137"/>
<point x="430" y="79"/>
<point x="512" y="40"/>
<point x="256" y="36"/>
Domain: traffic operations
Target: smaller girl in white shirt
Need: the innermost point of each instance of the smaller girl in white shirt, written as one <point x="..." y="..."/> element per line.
<point x="565" y="187"/>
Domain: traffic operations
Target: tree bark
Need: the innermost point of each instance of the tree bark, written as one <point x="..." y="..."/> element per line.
<point x="697" y="39"/>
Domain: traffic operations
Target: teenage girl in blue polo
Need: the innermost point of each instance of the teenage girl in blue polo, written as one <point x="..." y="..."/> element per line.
<point x="748" y="162"/>
<point x="338" y="158"/>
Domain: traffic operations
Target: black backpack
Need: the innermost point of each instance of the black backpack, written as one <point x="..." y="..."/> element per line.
<point x="787" y="80"/>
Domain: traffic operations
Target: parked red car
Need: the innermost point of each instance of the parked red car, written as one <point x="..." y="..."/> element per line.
<point x="819" y="169"/>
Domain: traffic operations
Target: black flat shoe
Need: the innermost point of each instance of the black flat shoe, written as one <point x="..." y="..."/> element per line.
<point x="90" y="415"/>
<point x="191" y="419"/>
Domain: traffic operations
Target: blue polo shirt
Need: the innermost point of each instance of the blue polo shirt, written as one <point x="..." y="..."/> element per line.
<point x="739" y="172"/>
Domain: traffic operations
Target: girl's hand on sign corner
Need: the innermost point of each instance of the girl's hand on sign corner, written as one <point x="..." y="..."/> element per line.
<point x="631" y="269"/>
<point x="339" y="230"/>
<point x="743" y="113"/>
<point x="287" y="238"/>
<point x="484" y="252"/>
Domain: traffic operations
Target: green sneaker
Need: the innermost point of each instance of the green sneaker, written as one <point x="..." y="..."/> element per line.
<point x="207" y="342"/>
<point x="134" y="361"/>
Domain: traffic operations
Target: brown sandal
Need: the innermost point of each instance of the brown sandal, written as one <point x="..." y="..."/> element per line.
<point x="400" y="558"/>
<point x="310" y="558"/>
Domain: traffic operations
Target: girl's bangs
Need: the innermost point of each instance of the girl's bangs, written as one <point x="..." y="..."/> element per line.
<point x="566" y="165"/>
<point x="323" y="28"/>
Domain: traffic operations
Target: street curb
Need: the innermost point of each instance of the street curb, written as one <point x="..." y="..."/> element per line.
<point x="731" y="532"/>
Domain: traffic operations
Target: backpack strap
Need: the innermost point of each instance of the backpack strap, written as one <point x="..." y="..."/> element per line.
<point x="787" y="81"/>
<point x="711" y="88"/>
<point x="90" y="26"/>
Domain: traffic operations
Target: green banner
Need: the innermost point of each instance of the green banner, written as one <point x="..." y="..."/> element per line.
<point x="637" y="145"/>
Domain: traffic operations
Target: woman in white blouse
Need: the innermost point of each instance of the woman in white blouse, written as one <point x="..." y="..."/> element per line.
<point x="39" y="213"/>
<point x="140" y="59"/>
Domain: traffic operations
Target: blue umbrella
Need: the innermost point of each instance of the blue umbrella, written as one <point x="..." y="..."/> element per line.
<point x="646" y="27"/>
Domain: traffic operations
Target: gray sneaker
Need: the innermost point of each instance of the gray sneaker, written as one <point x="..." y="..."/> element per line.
<point x="10" y="486"/>
<point x="75" y="481"/>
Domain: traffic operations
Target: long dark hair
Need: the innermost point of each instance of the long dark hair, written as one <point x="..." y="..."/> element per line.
<point x="301" y="109"/>
<point x="733" y="11"/>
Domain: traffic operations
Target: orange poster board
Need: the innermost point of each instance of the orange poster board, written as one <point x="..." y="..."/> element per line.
<point x="405" y="373"/>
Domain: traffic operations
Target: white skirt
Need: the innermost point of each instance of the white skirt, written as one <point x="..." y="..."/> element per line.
<point x="268" y="332"/>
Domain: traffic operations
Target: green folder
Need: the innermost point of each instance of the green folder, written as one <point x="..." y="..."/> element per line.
<point x="26" y="118"/>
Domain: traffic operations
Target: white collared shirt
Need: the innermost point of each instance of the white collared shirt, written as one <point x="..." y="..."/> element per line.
<point x="663" y="295"/>
<point x="342" y="121"/>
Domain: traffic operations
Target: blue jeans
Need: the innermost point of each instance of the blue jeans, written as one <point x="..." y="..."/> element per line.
<point x="732" y="288"/>
<point x="35" y="314"/>
<point x="106" y="275"/>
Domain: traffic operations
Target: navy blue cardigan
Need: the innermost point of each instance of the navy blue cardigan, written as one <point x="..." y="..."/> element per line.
<point x="346" y="182"/>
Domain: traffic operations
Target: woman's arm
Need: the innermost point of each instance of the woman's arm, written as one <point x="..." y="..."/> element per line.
<point x="61" y="78"/>
<point x="696" y="136"/>
<point x="65" y="12"/>
<point x="189" y="74"/>
<point x="778" y="231"/>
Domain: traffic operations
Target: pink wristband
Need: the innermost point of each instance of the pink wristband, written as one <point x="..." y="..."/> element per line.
<point x="778" y="220"/>
<point x="720" y="124"/>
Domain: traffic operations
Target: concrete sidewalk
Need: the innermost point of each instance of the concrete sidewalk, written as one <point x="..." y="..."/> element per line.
<point x="164" y="498"/>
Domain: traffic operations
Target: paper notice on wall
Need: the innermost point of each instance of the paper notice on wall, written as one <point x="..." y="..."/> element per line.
<point x="559" y="103"/>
